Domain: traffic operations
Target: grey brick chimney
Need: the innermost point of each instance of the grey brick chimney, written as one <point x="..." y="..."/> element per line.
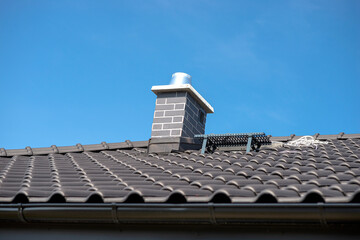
<point x="180" y="113"/>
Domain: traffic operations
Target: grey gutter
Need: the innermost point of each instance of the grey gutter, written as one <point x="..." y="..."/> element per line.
<point x="320" y="213"/>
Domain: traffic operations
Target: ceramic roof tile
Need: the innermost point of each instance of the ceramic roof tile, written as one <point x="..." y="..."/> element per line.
<point x="120" y="173"/>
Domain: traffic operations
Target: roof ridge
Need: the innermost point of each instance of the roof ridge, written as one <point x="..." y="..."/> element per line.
<point x="28" y="151"/>
<point x="127" y="144"/>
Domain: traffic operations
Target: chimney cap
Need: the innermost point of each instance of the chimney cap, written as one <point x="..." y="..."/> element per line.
<point x="180" y="78"/>
<point x="184" y="88"/>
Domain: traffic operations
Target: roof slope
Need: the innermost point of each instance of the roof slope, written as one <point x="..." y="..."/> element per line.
<point x="330" y="173"/>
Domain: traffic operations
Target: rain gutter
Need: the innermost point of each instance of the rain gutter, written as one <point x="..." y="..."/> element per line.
<point x="319" y="213"/>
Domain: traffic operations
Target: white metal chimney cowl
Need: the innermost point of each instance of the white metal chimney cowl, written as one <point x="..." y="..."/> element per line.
<point x="180" y="78"/>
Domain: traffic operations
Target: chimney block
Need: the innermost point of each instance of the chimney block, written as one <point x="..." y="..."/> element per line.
<point x="180" y="113"/>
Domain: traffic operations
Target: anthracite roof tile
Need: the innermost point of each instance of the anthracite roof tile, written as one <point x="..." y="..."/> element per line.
<point x="121" y="173"/>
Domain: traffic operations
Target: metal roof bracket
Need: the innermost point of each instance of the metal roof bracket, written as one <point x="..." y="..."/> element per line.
<point x="204" y="144"/>
<point x="249" y="143"/>
<point x="252" y="141"/>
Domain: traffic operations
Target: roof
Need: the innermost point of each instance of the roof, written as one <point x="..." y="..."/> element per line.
<point x="126" y="173"/>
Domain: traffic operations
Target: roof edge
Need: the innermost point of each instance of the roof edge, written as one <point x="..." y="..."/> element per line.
<point x="210" y="213"/>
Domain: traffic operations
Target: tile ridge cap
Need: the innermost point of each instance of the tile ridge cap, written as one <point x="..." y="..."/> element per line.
<point x="29" y="151"/>
<point x="342" y="135"/>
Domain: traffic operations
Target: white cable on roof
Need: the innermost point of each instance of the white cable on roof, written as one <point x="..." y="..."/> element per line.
<point x="305" y="141"/>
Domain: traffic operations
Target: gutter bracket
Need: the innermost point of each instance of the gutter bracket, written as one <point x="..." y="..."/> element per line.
<point x="212" y="217"/>
<point x="114" y="213"/>
<point x="21" y="213"/>
<point x="322" y="218"/>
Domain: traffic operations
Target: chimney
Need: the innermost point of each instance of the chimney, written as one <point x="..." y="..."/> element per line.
<point x="180" y="113"/>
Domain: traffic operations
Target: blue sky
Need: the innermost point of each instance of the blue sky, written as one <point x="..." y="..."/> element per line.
<point x="81" y="71"/>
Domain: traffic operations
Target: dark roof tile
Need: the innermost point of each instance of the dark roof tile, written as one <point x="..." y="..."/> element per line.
<point x="120" y="173"/>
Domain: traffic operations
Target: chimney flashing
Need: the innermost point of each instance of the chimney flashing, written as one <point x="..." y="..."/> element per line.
<point x="187" y="88"/>
<point x="170" y="144"/>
